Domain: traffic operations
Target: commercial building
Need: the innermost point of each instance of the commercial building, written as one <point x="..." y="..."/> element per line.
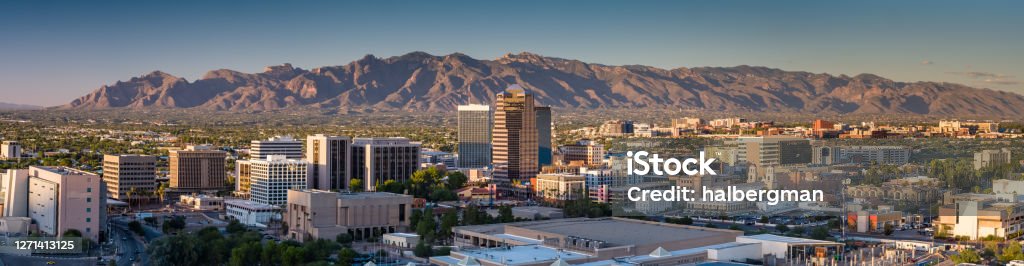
<point x="202" y="202"/>
<point x="130" y="177"/>
<point x="980" y="217"/>
<point x="873" y="221"/>
<point x="774" y="150"/>
<point x="515" y="143"/>
<point x="616" y="128"/>
<point x="278" y="145"/>
<point x="10" y="150"/>
<point x="431" y="157"/>
<point x="587" y="152"/>
<point x="474" y="136"/>
<point x="561" y="187"/>
<point x="316" y="214"/>
<point x="897" y="155"/>
<point x="330" y="160"/>
<point x="243" y="179"/>
<point x="56" y="199"/>
<point x="271" y="178"/>
<point x="251" y="213"/>
<point x="402" y="240"/>
<point x="197" y="169"/>
<point x="578" y="240"/>
<point x="989" y="158"/>
<point x="375" y="160"/>
<point x="545" y="153"/>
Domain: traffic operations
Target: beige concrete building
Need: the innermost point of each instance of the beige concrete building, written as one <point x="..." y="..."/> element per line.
<point x="197" y="169"/>
<point x="330" y="162"/>
<point x="316" y="214"/>
<point x="588" y="152"/>
<point x="123" y="173"/>
<point x="560" y="187"/>
<point x="62" y="198"/>
<point x="989" y="158"/>
<point x="979" y="217"/>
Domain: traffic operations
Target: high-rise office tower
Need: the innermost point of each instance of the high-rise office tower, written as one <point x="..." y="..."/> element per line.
<point x="514" y="149"/>
<point x="544" y="151"/>
<point x="330" y="162"/>
<point x="279" y="145"/>
<point x="129" y="177"/>
<point x="474" y="136"/>
<point x="376" y="160"/>
<point x="272" y="177"/>
<point x="197" y="169"/>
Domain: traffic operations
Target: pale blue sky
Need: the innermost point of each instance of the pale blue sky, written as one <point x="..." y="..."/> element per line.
<point x="52" y="52"/>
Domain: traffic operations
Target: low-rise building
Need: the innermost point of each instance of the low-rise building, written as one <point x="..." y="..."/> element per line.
<point x="316" y="214"/>
<point x="980" y="217"/>
<point x="202" y="202"/>
<point x="560" y="187"/>
<point x="251" y="213"/>
<point x="401" y="240"/>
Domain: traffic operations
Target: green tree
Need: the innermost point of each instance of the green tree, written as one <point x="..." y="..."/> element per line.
<point x="456" y="180"/>
<point x="505" y="214"/>
<point x="798" y="231"/>
<point x="422" y="250"/>
<point x="415" y="218"/>
<point x="427" y="226"/>
<point x="346" y="256"/>
<point x="235" y="227"/>
<point x="448" y="221"/>
<point x="782" y="228"/>
<point x="1012" y="251"/>
<point x="344" y="239"/>
<point x="819" y="233"/>
<point x="888" y="229"/>
<point x="966" y="256"/>
<point x="355" y="185"/>
<point x="136" y="227"/>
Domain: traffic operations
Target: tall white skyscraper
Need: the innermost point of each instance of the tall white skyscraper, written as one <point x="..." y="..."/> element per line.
<point x="271" y="178"/>
<point x="474" y="136"/>
<point x="279" y="145"/>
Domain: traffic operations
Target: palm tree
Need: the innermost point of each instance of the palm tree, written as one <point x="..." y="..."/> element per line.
<point x="131" y="192"/>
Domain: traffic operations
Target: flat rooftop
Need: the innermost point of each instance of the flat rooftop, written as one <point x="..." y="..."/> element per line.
<point x="613" y="231"/>
<point x="518" y="255"/>
<point x="786" y="240"/>
<point x="248" y="204"/>
<point x="355" y="195"/>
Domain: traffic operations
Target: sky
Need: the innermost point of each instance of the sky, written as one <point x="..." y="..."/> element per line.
<point x="52" y="52"/>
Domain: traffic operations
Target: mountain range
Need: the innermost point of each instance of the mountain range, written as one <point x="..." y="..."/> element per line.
<point x="15" y="106"/>
<point x="419" y="81"/>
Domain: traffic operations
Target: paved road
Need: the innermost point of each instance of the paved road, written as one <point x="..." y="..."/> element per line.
<point x="128" y="247"/>
<point x="45" y="261"/>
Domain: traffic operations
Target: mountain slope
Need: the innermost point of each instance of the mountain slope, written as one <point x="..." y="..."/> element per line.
<point x="422" y="82"/>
